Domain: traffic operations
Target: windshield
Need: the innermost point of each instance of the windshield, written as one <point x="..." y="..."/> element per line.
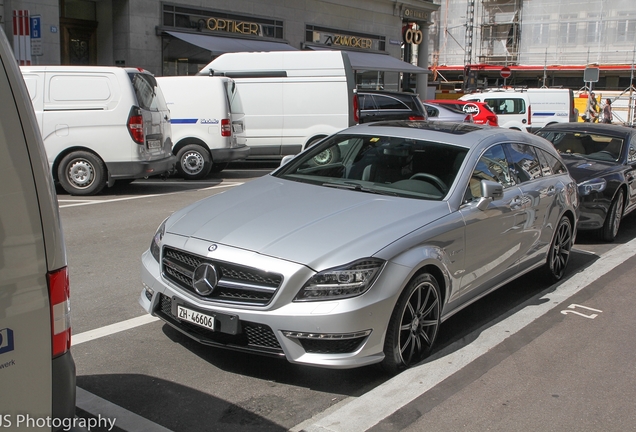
<point x="379" y="164"/>
<point x="591" y="146"/>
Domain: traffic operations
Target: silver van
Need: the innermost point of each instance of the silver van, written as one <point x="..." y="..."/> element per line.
<point x="37" y="371"/>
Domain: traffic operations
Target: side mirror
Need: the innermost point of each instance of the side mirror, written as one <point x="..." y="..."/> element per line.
<point x="286" y="159"/>
<point x="490" y="191"/>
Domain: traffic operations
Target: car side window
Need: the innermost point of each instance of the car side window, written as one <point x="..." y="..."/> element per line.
<point x="524" y="163"/>
<point x="431" y="112"/>
<point x="549" y="164"/>
<point x="366" y="102"/>
<point x="507" y="105"/>
<point x="389" y="103"/>
<point x="492" y="165"/>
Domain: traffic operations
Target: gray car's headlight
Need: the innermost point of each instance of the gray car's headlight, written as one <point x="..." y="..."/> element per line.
<point x="155" y="245"/>
<point x="594" y="185"/>
<point x="341" y="282"/>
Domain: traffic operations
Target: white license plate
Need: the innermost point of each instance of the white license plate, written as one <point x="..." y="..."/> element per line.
<point x="194" y="317"/>
<point x="154" y="144"/>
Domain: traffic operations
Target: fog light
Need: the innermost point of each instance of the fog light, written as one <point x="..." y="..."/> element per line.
<point x="149" y="292"/>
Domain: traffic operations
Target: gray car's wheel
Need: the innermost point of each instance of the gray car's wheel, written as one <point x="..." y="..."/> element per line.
<point x="414" y="324"/>
<point x="82" y="173"/>
<point x="613" y="218"/>
<point x="559" y="253"/>
<point x="193" y="162"/>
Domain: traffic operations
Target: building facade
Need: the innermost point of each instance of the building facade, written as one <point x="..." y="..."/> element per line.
<point x="179" y="37"/>
<point x="542" y="42"/>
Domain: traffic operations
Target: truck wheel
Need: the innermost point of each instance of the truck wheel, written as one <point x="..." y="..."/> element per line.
<point x="193" y="162"/>
<point x="82" y="173"/>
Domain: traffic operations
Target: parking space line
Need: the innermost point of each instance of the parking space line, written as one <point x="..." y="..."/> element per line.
<point x="112" y="329"/>
<point x="64" y="203"/>
<point x="364" y="412"/>
<point x="124" y="419"/>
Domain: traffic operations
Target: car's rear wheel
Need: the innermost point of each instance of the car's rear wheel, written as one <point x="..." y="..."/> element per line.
<point x="559" y="253"/>
<point x="82" y="173"/>
<point x="413" y="325"/>
<point x="193" y="162"/>
<point x="613" y="219"/>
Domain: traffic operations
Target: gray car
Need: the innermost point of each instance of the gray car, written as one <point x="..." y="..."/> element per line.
<point x="360" y="260"/>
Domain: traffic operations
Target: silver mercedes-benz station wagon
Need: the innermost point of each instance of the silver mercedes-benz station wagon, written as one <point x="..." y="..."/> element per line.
<point x="354" y="251"/>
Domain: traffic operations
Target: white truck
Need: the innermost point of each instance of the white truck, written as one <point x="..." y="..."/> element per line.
<point x="528" y="109"/>
<point x="291" y="99"/>
<point x="207" y="123"/>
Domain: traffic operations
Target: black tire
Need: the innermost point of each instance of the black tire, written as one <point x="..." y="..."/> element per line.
<point x="82" y="173"/>
<point x="613" y="218"/>
<point x="559" y="252"/>
<point x="413" y="325"/>
<point x="193" y="162"/>
<point x="218" y="167"/>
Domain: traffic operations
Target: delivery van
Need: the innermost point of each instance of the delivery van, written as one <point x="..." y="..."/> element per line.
<point x="206" y="117"/>
<point x="100" y="124"/>
<point x="37" y="371"/>
<point x="291" y="99"/>
<point x="529" y="109"/>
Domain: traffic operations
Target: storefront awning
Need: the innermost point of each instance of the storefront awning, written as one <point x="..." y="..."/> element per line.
<point x="219" y="45"/>
<point x="378" y="62"/>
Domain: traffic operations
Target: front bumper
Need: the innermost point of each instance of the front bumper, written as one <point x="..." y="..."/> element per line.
<point x="335" y="334"/>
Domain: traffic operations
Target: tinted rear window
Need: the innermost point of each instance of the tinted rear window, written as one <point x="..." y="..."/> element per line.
<point x="146" y="92"/>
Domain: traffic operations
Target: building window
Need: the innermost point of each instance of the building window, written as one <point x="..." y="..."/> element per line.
<point x="541" y="31"/>
<point x="594" y="28"/>
<point x="626" y="27"/>
<point x="567" y="29"/>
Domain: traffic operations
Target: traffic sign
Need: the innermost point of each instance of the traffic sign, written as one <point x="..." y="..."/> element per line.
<point x="505" y="72"/>
<point x="36" y="35"/>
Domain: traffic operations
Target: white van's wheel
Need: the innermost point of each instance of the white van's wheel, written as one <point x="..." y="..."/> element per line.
<point x="194" y="162"/>
<point x="82" y="173"/>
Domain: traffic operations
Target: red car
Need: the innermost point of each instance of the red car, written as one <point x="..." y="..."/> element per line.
<point x="481" y="112"/>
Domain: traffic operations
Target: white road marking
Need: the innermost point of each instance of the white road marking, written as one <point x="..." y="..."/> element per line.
<point x="83" y="202"/>
<point x="124" y="419"/>
<point x="112" y="329"/>
<point x="362" y="413"/>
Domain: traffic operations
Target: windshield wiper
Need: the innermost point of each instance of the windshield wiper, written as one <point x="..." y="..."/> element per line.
<point x="358" y="187"/>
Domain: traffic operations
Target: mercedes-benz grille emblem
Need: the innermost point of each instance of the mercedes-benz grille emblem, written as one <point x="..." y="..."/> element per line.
<point x="212" y="248"/>
<point x="204" y="279"/>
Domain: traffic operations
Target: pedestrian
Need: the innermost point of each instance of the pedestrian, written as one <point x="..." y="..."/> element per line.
<point x="607" y="112"/>
<point x="592" y="109"/>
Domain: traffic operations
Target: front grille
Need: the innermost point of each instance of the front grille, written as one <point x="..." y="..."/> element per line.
<point x="330" y="346"/>
<point x="236" y="284"/>
<point x="251" y="336"/>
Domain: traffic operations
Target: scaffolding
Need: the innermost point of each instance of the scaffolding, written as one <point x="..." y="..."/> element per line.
<point x="500" y="30"/>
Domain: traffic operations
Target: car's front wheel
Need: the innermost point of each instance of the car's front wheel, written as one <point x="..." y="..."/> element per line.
<point x="413" y="325"/>
<point x="559" y="253"/>
<point x="613" y="219"/>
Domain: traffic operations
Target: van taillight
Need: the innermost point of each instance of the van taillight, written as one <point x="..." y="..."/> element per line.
<point x="417" y="118"/>
<point x="136" y="125"/>
<point x="529" y="115"/>
<point x="226" y="128"/>
<point x="59" y="298"/>
<point x="356" y="109"/>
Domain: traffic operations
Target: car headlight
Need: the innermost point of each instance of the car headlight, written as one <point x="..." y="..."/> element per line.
<point x="155" y="245"/>
<point x="594" y="185"/>
<point x="341" y="282"/>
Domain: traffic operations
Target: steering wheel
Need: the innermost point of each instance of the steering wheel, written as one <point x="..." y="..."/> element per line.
<point x="430" y="178"/>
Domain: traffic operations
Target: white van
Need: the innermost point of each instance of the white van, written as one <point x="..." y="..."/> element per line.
<point x="100" y="124"/>
<point x="528" y="109"/>
<point x="206" y="116"/>
<point x="291" y="99"/>
<point x="37" y="371"/>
